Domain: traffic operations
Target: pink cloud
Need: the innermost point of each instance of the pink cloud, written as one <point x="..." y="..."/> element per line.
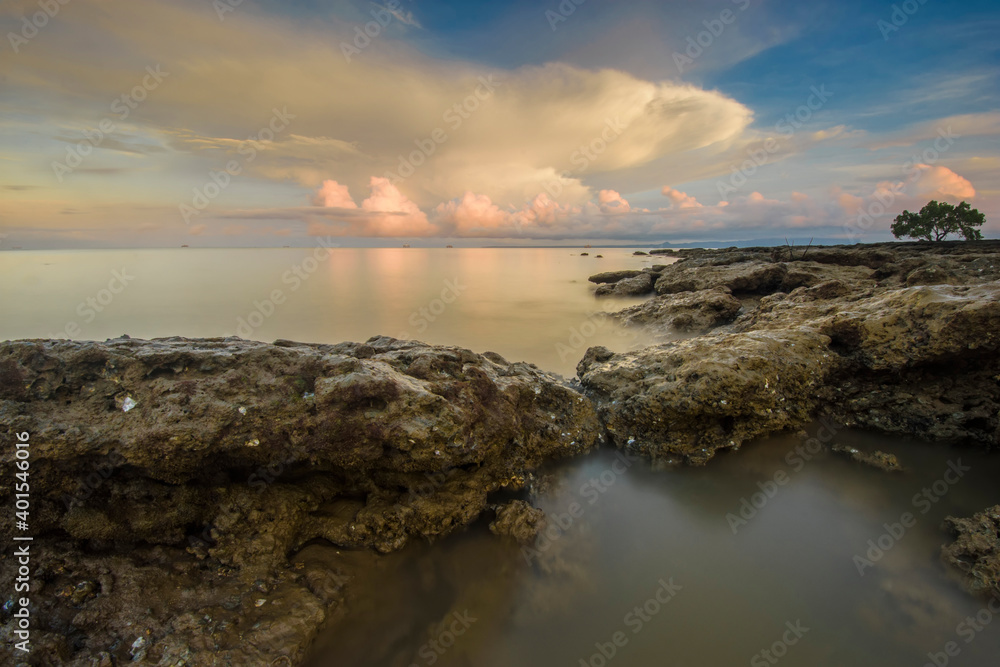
<point x="472" y="212"/>
<point x="332" y="193"/>
<point x="942" y="182"/>
<point x="389" y="212"/>
<point x="611" y="201"/>
<point x="680" y="199"/>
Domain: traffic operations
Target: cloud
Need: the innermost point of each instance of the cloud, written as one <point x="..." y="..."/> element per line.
<point x="611" y="202"/>
<point x="941" y="182"/>
<point x="332" y="193"/>
<point x="472" y="214"/>
<point x="385" y="213"/>
<point x="679" y="199"/>
<point x="505" y="134"/>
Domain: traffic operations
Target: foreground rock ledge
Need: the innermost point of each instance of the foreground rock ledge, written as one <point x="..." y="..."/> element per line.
<point x="175" y="480"/>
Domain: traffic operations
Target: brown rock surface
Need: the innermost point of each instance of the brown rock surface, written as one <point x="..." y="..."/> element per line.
<point x="840" y="333"/>
<point x="173" y="478"/>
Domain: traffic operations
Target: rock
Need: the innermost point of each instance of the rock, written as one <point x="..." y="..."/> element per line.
<point x="236" y="454"/>
<point x="637" y="285"/>
<point x="919" y="360"/>
<point x="742" y="277"/>
<point x="584" y="254"/>
<point x="688" y="312"/>
<point x="975" y="553"/>
<point x="598" y="256"/>
<point x="519" y="521"/>
<point x="691" y="398"/>
<point x="613" y="276"/>
<point x="662" y="251"/>
<point x="639" y="252"/>
<point x="877" y="459"/>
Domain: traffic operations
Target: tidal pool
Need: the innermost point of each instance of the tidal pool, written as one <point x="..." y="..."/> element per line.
<point x="720" y="565"/>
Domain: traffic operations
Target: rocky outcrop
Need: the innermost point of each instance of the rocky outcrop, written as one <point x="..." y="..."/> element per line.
<point x="175" y="480"/>
<point x="877" y="459"/>
<point x="975" y="553"/>
<point x="519" y="521"/>
<point x="637" y="285"/>
<point x="688" y="312"/>
<point x="613" y="276"/>
<point x="842" y="333"/>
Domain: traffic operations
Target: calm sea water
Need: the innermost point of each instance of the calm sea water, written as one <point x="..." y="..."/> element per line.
<point x="526" y="304"/>
<point x="650" y="568"/>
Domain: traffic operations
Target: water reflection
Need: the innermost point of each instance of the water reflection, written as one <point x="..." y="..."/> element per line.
<point x="526" y="304"/>
<point x="628" y="531"/>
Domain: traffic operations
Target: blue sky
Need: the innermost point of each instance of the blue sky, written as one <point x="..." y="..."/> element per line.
<point x="281" y="123"/>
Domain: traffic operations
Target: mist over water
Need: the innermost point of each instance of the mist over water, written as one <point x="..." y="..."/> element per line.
<point x="649" y="568"/>
<point x="530" y="304"/>
<point x="641" y="536"/>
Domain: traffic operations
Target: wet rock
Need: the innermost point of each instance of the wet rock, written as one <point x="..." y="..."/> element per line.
<point x="689" y="312"/>
<point x="690" y="398"/>
<point x="235" y="455"/>
<point x="877" y="459"/>
<point x="975" y="553"/>
<point x="916" y="360"/>
<point x="637" y="285"/>
<point x="639" y="252"/>
<point x="613" y="276"/>
<point x="740" y="277"/>
<point x="519" y="521"/>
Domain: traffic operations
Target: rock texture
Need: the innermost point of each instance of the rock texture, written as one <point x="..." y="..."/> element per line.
<point x="856" y="334"/>
<point x="637" y="285"/>
<point x="877" y="459"/>
<point x="975" y="553"/>
<point x="174" y="480"/>
<point x="613" y="276"/>
<point x="688" y="312"/>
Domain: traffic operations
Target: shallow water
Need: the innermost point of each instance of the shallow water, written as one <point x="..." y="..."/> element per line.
<point x="733" y="591"/>
<point x="530" y="304"/>
<point x="728" y="596"/>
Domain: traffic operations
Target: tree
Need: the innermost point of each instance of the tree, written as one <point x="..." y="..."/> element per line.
<point x="937" y="220"/>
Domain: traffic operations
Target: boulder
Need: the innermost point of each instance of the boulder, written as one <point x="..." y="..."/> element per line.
<point x="637" y="285"/>
<point x="613" y="276"/>
<point x="687" y="312"/>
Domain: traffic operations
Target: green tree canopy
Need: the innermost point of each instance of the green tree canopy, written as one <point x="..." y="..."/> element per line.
<point x="937" y="220"/>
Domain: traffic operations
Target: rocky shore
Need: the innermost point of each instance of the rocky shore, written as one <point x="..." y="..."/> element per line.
<point x="898" y="338"/>
<point x="191" y="497"/>
<point x="209" y="501"/>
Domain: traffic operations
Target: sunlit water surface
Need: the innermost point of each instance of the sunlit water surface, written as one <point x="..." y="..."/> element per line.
<point x="732" y="590"/>
<point x="526" y="304"/>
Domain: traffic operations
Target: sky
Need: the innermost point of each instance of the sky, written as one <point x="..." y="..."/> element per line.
<point x="150" y="123"/>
